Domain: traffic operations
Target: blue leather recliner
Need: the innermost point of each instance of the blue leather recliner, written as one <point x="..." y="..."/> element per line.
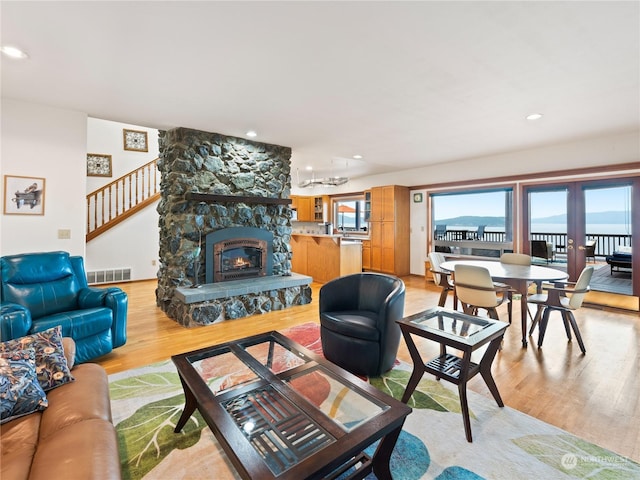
<point x="41" y="290"/>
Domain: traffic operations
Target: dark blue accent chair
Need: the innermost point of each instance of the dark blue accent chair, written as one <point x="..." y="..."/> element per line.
<point x="41" y="290"/>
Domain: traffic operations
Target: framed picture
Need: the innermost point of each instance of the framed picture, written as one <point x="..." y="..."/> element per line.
<point x="135" y="140"/>
<point x="23" y="195"/>
<point x="98" y="165"/>
<point x="417" y="198"/>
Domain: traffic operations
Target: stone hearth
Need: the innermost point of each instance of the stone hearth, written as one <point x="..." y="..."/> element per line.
<point x="212" y="182"/>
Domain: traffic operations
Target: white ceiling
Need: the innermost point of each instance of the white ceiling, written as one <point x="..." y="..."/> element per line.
<point x="405" y="84"/>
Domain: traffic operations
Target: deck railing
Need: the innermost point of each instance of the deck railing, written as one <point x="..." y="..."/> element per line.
<point x="119" y="199"/>
<point x="606" y="243"/>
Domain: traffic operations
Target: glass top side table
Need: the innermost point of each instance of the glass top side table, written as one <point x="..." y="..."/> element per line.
<point x="463" y="332"/>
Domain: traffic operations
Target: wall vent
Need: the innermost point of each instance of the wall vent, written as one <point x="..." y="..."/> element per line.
<point x="109" y="275"/>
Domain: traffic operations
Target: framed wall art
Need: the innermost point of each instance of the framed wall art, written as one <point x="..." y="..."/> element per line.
<point x="135" y="140"/>
<point x="98" y="165"/>
<point x="23" y="195"/>
<point x="417" y="198"/>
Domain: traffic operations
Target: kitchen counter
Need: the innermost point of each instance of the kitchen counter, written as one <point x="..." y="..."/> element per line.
<point x="325" y="257"/>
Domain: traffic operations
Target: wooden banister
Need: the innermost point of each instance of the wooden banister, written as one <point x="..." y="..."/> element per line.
<point x="118" y="200"/>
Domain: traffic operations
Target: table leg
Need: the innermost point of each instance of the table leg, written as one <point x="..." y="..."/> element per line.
<point x="485" y="369"/>
<point x="190" y="405"/>
<point x="418" y="367"/>
<point x="462" y="391"/>
<point x="382" y="456"/>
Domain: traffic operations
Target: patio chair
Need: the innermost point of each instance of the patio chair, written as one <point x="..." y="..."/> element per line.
<point x="441" y="232"/>
<point x="542" y="249"/>
<point x="564" y="297"/>
<point x="479" y="233"/>
<point x="590" y="250"/>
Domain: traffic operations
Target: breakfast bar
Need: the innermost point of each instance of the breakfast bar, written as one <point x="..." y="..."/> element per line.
<point x="325" y="257"/>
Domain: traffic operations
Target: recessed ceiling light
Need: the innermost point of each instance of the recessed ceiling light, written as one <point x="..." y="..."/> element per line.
<point x="534" y="116"/>
<point x="357" y="157"/>
<point x="251" y="134"/>
<point x="13" y="52"/>
<point x="308" y="168"/>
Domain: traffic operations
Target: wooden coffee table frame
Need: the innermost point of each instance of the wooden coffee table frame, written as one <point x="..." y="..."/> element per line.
<point x="343" y="452"/>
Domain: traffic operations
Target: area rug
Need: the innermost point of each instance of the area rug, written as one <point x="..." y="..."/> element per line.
<point x="507" y="444"/>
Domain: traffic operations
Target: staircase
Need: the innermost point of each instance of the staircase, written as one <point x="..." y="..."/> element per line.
<point x="118" y="200"/>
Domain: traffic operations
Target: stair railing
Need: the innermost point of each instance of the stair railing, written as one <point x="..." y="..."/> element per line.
<point x="118" y="200"/>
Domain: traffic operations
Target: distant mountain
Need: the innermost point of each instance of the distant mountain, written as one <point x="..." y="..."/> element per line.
<point x="612" y="217"/>
<point x="473" y="221"/>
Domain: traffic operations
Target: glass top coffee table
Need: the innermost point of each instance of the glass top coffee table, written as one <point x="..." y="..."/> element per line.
<point x="462" y="332"/>
<point x="281" y="411"/>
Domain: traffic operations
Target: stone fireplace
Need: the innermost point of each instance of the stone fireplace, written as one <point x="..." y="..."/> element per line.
<point x="225" y="228"/>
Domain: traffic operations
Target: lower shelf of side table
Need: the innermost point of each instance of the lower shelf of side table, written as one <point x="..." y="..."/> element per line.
<point x="449" y="367"/>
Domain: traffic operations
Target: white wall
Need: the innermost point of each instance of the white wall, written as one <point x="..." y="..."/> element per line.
<point x="52" y="143"/>
<point x="41" y="141"/>
<point x="134" y="243"/>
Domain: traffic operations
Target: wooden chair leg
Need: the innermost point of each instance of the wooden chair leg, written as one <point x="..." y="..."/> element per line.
<point x="576" y="331"/>
<point x="536" y="319"/>
<point x="443" y="297"/>
<point x="542" y="328"/>
<point x="567" y="327"/>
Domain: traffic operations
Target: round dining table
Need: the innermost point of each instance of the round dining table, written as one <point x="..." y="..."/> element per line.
<point x="517" y="277"/>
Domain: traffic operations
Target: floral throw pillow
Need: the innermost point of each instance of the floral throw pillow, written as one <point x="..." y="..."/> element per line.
<point x="20" y="392"/>
<point x="51" y="364"/>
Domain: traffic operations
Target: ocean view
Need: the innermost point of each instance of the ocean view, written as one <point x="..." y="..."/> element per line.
<point x="602" y="228"/>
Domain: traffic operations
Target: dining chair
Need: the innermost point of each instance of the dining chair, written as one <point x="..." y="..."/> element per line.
<point x="442" y="278"/>
<point x="475" y="290"/>
<point x="515" y="259"/>
<point x="565" y="297"/>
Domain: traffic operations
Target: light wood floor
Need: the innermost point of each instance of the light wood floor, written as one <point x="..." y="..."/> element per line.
<point x="595" y="396"/>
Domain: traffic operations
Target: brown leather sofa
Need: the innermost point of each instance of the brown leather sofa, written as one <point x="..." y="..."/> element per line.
<point x="73" y="438"/>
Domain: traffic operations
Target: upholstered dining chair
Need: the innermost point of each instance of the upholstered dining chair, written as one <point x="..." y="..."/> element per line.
<point x="358" y="328"/>
<point x="476" y="290"/>
<point x="565" y="297"/>
<point x="442" y="278"/>
<point x="515" y="259"/>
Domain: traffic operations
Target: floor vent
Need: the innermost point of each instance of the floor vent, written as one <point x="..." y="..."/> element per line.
<point x="110" y="275"/>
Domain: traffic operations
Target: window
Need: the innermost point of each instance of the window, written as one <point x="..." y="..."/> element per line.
<point x="468" y="222"/>
<point x="348" y="214"/>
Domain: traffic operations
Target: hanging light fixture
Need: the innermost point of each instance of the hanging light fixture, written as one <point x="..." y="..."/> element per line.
<point x="324" y="182"/>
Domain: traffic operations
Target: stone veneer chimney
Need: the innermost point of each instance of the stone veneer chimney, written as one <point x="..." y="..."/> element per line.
<point x="193" y="163"/>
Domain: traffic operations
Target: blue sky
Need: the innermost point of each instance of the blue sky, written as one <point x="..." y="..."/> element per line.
<point x="543" y="205"/>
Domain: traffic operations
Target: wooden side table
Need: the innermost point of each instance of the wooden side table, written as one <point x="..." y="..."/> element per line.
<point x="463" y="332"/>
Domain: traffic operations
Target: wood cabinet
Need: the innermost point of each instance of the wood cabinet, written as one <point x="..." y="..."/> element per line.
<point x="304" y="207"/>
<point x="311" y="209"/>
<point x="324" y="257"/>
<point x="389" y="230"/>
<point x="366" y="254"/>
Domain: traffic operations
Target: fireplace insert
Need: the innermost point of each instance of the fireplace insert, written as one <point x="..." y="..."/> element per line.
<point x="239" y="258"/>
<point x="238" y="253"/>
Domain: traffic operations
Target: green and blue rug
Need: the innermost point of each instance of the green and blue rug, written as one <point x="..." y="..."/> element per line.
<point x="507" y="444"/>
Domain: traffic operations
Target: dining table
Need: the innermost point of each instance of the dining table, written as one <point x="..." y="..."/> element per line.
<point x="517" y="277"/>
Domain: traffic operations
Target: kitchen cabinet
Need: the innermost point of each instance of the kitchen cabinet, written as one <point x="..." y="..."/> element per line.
<point x="311" y="209"/>
<point x="366" y="254"/>
<point x="304" y="207"/>
<point x="389" y="230"/>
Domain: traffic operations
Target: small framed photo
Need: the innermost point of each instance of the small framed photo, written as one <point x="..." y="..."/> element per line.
<point x="417" y="198"/>
<point x="98" y="165"/>
<point x="135" y="140"/>
<point x="23" y="195"/>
